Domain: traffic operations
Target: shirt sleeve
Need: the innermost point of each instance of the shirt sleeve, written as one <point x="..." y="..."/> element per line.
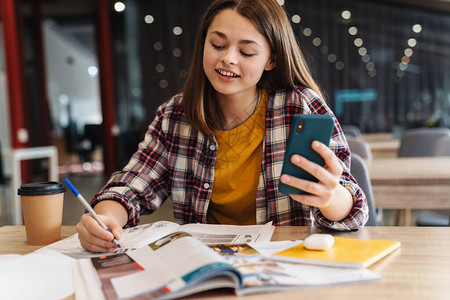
<point x="359" y="213"/>
<point x="142" y="186"/>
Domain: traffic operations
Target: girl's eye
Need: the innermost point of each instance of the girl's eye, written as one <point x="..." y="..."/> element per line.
<point x="220" y="47"/>
<point x="247" y="54"/>
<point x="217" y="46"/>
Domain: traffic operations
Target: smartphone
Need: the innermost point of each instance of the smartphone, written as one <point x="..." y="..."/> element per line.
<point x="303" y="131"/>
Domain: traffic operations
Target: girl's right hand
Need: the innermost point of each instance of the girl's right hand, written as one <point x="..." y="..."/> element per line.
<point x="96" y="239"/>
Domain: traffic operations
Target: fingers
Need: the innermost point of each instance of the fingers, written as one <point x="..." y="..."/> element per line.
<point x="310" y="200"/>
<point x="326" y="174"/>
<point x="311" y="187"/>
<point x="319" y="194"/>
<point x="331" y="161"/>
<point x="323" y="175"/>
<point x="323" y="191"/>
<point x="116" y="229"/>
<point x="93" y="237"/>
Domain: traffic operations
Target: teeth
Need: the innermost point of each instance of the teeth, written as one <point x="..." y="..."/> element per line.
<point x="228" y="74"/>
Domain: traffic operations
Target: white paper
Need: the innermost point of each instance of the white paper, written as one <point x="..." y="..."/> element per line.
<point x="38" y="275"/>
<point x="269" y="248"/>
<point x="5" y="257"/>
<point x="312" y="275"/>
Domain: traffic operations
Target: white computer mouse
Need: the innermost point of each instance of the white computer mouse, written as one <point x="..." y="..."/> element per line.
<point x="319" y="241"/>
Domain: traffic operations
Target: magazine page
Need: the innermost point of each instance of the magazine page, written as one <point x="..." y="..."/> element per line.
<point x="147" y="276"/>
<point x="175" y="265"/>
<point x="141" y="235"/>
<point x="258" y="272"/>
<point x="96" y="277"/>
<point x="125" y="275"/>
<point x="132" y="238"/>
<point x="86" y="281"/>
<point x="191" y="262"/>
<point x="82" y="287"/>
<point x="261" y="273"/>
<point x="264" y="274"/>
<point x="179" y="265"/>
<point x="229" y="234"/>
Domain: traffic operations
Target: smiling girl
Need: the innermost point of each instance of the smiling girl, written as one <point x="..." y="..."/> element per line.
<point x="217" y="148"/>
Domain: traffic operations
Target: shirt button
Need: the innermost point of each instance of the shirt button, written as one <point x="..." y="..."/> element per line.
<point x="212" y="147"/>
<point x="206" y="185"/>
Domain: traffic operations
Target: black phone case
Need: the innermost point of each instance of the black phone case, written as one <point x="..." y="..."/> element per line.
<point x="303" y="131"/>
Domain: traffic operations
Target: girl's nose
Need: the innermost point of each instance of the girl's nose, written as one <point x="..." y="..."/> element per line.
<point x="229" y="58"/>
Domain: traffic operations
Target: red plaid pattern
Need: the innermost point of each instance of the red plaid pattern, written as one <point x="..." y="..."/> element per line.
<point x="176" y="161"/>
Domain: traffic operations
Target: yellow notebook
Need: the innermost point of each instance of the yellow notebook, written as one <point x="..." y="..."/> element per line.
<point x="346" y="252"/>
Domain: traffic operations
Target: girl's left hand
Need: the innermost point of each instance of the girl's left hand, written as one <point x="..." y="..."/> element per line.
<point x="327" y="188"/>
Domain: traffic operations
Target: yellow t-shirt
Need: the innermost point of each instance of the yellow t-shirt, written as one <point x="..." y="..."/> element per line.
<point x="237" y="169"/>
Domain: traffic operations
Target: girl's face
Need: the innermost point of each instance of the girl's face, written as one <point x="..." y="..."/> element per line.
<point x="235" y="55"/>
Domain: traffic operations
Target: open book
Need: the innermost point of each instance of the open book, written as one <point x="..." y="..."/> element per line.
<point x="142" y="235"/>
<point x="178" y="265"/>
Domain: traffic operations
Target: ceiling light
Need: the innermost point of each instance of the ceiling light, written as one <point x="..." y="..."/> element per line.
<point x="296" y="19"/>
<point x="119" y="6"/>
<point x="417" y="28"/>
<point x="346" y="14"/>
<point x="353" y="30"/>
<point x="149" y="19"/>
<point x="412" y="42"/>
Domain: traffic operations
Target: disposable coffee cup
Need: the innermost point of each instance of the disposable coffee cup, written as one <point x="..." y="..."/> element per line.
<point x="42" y="208"/>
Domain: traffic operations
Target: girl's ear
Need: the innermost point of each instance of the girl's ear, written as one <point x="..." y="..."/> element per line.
<point x="270" y="64"/>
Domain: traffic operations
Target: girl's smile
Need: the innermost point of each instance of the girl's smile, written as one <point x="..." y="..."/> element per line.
<point x="227" y="75"/>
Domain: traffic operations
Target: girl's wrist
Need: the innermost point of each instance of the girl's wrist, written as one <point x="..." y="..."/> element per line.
<point x="340" y="205"/>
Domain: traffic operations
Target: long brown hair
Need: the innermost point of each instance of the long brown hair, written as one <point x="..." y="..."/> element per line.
<point x="270" y="19"/>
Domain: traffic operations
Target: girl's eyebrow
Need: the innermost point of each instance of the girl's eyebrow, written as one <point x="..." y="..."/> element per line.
<point x="245" y="42"/>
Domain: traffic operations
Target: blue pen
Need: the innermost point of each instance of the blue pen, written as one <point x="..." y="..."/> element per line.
<point x="88" y="207"/>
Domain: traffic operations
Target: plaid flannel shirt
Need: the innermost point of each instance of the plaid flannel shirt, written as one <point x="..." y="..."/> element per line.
<point x="177" y="161"/>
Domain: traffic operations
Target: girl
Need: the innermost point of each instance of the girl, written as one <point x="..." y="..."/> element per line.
<point x="217" y="148"/>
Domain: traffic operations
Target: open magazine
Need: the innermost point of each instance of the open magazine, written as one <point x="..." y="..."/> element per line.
<point x="179" y="264"/>
<point x="139" y="236"/>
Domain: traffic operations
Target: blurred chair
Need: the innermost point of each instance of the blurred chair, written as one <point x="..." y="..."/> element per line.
<point x="87" y="143"/>
<point x="420" y="141"/>
<point x="351" y="130"/>
<point x="441" y="147"/>
<point x="359" y="170"/>
<point x="360" y="147"/>
<point x="437" y="217"/>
